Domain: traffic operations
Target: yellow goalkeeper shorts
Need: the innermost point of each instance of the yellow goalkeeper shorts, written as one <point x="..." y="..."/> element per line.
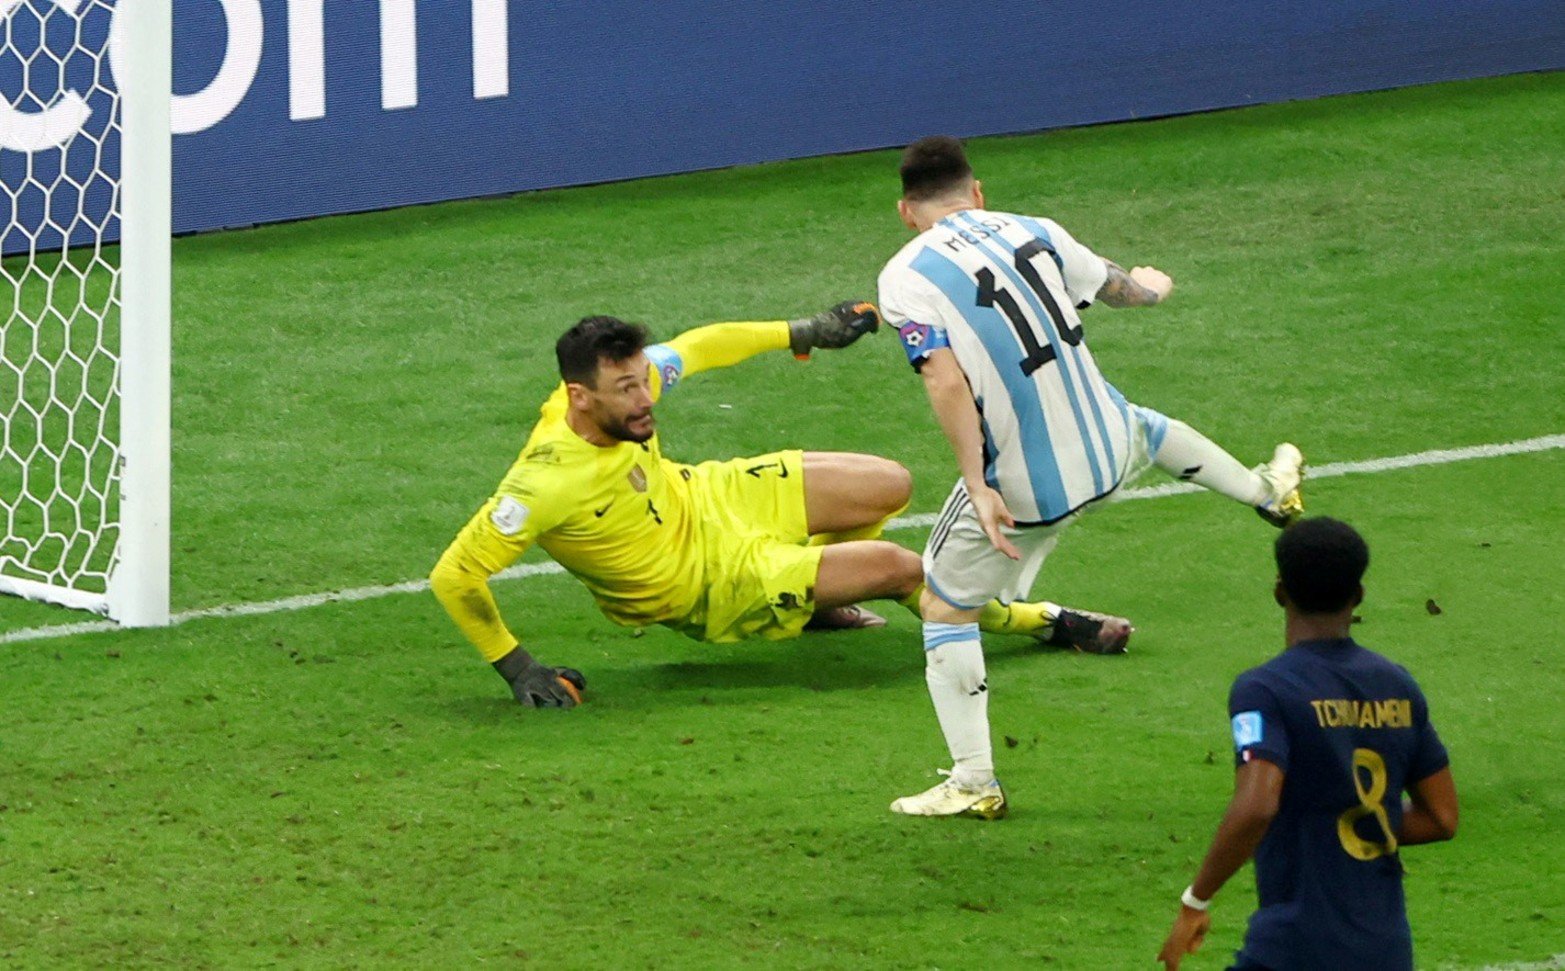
<point x="760" y="574"/>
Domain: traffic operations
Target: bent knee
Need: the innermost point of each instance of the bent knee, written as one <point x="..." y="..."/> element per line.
<point x="893" y="484"/>
<point x="902" y="485"/>
<point x="901" y="568"/>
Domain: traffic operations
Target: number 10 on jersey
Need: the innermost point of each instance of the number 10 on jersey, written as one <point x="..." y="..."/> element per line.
<point x="990" y="295"/>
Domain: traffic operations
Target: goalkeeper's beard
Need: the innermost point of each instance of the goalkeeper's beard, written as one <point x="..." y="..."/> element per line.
<point x="621" y="430"/>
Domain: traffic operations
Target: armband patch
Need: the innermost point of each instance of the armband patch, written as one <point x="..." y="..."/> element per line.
<point x="919" y="340"/>
<point x="1248" y="729"/>
<point x="509" y="516"/>
<point x="669" y="365"/>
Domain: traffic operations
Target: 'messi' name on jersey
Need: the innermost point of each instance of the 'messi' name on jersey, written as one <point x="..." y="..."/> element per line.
<point x="975" y="233"/>
<point x="1351" y="713"/>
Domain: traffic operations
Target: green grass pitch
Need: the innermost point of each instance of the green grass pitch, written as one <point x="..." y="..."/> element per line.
<point x="347" y="786"/>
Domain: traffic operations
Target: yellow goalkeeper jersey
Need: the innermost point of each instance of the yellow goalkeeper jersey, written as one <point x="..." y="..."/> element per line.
<point x="618" y="517"/>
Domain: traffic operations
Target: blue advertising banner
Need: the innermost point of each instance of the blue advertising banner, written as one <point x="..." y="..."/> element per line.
<point x="59" y="134"/>
<point x="292" y="108"/>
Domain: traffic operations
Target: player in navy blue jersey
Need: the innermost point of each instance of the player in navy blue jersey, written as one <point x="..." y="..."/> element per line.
<point x="1327" y="737"/>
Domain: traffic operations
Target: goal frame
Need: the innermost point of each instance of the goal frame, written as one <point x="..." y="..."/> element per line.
<point x="137" y="589"/>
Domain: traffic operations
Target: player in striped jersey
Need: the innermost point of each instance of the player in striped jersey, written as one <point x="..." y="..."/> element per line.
<point x="756" y="547"/>
<point x="987" y="304"/>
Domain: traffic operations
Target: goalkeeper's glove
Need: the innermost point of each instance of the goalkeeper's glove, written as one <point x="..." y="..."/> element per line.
<point x="538" y="685"/>
<point x="837" y="327"/>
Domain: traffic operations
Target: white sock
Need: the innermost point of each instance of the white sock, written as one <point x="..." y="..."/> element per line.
<point x="954" y="669"/>
<point x="1190" y="456"/>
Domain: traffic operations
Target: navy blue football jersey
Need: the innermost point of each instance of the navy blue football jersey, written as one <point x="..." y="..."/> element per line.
<point x="1350" y="730"/>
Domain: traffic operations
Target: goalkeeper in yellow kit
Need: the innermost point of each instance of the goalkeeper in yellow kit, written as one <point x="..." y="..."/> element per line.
<point x="720" y="551"/>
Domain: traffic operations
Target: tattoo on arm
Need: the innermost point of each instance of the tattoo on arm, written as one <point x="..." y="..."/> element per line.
<point x="1119" y="290"/>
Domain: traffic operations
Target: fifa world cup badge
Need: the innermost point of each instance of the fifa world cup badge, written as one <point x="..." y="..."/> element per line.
<point x="509" y="516"/>
<point x="638" y="478"/>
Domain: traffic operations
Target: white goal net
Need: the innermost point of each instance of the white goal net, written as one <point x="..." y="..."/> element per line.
<point x="84" y="344"/>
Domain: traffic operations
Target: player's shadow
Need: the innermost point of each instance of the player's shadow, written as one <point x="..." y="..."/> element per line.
<point x="737" y="674"/>
<point x="842" y="661"/>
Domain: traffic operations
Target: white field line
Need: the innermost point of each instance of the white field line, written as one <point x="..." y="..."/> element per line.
<point x="305" y="601"/>
<point x="1442" y="456"/>
<point x="1555" y="963"/>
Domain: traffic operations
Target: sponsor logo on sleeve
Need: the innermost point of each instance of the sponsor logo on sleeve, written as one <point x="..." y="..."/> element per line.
<point x="1248" y="729"/>
<point x="509" y="516"/>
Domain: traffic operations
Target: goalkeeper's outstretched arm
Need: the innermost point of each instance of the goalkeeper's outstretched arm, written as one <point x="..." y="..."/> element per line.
<point x="724" y="345"/>
<point x="727" y="344"/>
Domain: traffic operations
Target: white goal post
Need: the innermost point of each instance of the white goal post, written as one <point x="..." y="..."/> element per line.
<point x="85" y="95"/>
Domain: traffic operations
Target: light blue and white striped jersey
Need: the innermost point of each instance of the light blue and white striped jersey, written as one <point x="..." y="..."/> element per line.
<point x="1002" y="291"/>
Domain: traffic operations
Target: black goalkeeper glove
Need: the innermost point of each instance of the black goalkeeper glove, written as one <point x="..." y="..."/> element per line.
<point x="538" y="685"/>
<point x="837" y="327"/>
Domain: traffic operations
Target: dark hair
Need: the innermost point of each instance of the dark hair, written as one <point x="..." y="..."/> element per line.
<point x="933" y="166"/>
<point x="1321" y="562"/>
<point x="593" y="338"/>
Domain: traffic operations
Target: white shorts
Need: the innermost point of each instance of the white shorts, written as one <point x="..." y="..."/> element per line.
<point x="964" y="569"/>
